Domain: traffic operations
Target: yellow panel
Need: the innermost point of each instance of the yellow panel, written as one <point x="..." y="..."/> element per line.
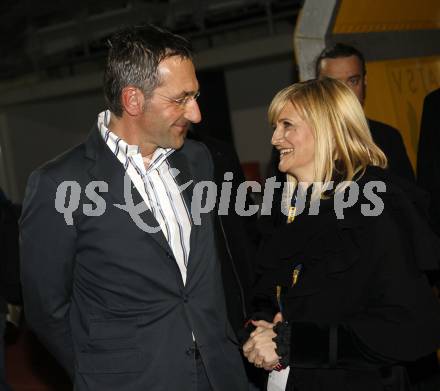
<point x="360" y="16"/>
<point x="395" y="93"/>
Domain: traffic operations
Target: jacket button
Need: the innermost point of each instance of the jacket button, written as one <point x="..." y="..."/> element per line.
<point x="185" y="299"/>
<point x="189" y="352"/>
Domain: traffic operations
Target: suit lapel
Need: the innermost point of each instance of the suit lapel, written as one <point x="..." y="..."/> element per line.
<point x="109" y="169"/>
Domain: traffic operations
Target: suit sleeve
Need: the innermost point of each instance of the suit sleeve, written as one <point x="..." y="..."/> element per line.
<point x="399" y="163"/>
<point x="428" y="162"/>
<point x="399" y="322"/>
<point x="47" y="246"/>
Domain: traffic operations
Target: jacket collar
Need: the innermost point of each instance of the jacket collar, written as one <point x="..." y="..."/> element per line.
<point x="109" y="169"/>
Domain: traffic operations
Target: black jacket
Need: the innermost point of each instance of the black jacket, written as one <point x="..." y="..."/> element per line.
<point x="390" y="141"/>
<point x="428" y="157"/>
<point x="360" y="304"/>
<point x="10" y="290"/>
<point x="107" y="298"/>
<point x="235" y="233"/>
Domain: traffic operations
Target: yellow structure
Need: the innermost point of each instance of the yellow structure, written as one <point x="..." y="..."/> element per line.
<point x="395" y="94"/>
<point x="401" y="42"/>
<point x="396" y="88"/>
<point x="366" y="16"/>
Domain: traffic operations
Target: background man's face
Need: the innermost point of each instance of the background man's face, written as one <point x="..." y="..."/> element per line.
<point x="347" y="70"/>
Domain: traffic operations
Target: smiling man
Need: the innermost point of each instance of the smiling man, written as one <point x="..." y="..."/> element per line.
<point x="120" y="308"/>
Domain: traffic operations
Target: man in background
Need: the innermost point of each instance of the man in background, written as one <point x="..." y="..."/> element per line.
<point x="347" y="64"/>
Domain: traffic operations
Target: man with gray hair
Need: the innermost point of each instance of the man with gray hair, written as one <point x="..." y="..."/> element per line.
<point x="123" y="307"/>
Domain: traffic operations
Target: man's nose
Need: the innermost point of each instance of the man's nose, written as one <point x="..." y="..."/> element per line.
<point x="192" y="112"/>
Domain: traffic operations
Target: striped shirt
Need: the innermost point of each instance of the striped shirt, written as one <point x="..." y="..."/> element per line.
<point x="158" y="189"/>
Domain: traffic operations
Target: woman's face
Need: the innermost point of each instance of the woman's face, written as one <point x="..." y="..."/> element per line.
<point x="294" y="140"/>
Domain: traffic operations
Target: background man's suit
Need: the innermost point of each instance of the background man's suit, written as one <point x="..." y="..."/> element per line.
<point x="116" y="313"/>
<point x="428" y="157"/>
<point x="391" y="143"/>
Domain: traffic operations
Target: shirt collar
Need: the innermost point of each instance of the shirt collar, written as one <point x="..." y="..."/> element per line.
<point x="124" y="151"/>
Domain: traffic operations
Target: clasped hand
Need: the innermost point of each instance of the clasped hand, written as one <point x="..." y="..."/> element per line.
<point x="259" y="349"/>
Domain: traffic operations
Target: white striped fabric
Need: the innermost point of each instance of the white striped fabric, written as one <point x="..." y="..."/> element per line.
<point x="158" y="189"/>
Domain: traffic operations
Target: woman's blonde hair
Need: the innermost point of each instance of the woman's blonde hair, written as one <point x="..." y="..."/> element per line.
<point x="343" y="143"/>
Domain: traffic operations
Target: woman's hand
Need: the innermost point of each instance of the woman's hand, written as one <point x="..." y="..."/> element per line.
<point x="259" y="349"/>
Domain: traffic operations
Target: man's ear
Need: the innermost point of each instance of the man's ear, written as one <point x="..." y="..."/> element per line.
<point x="132" y="100"/>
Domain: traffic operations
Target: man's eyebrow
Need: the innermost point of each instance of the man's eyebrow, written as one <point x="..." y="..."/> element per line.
<point x="188" y="93"/>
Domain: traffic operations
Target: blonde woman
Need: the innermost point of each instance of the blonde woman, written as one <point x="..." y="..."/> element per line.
<point x="339" y="263"/>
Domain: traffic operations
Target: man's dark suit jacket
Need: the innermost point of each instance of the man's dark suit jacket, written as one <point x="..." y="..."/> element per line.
<point x="107" y="298"/>
<point x="390" y="141"/>
<point x="428" y="157"/>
